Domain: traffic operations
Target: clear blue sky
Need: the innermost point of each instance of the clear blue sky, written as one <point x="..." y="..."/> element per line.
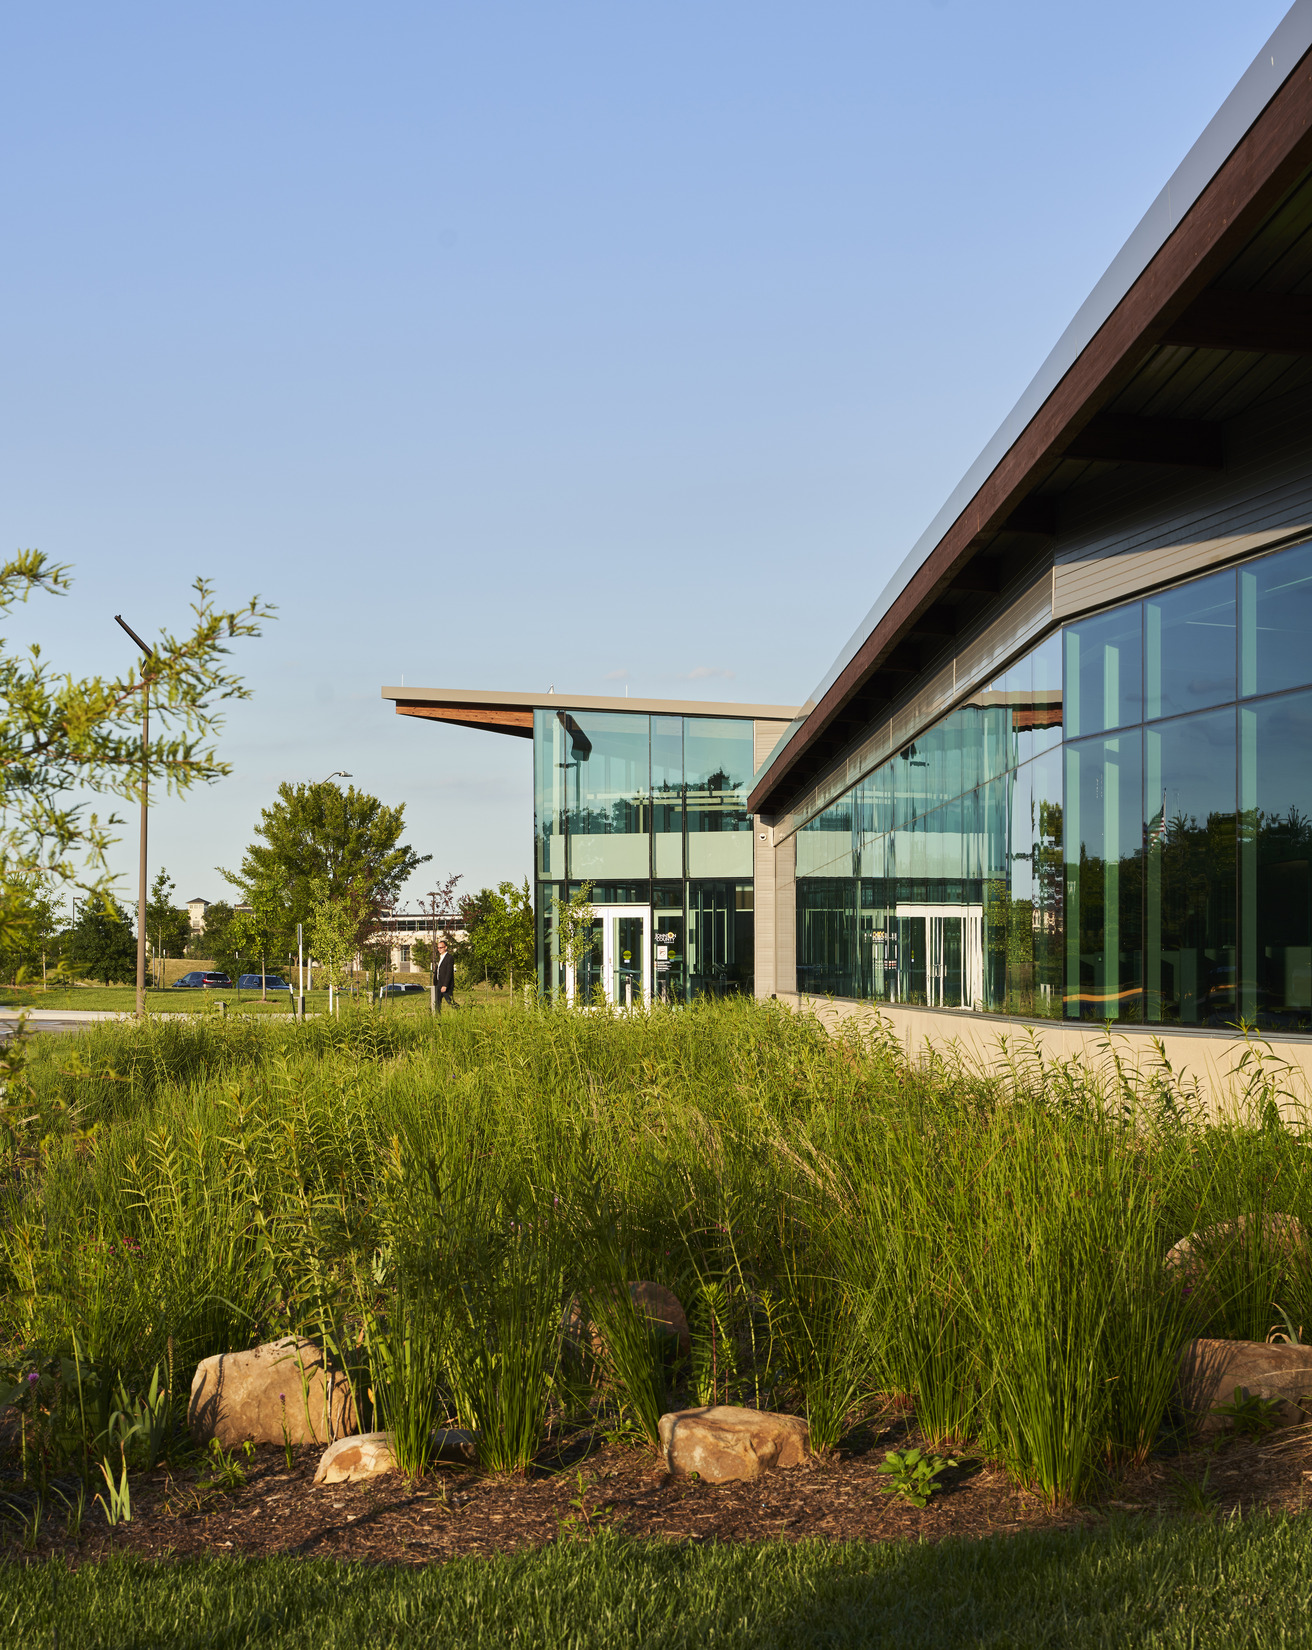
<point x="517" y="344"/>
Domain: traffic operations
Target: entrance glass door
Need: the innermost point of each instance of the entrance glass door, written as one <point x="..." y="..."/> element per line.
<point x="628" y="957"/>
<point x="620" y="958"/>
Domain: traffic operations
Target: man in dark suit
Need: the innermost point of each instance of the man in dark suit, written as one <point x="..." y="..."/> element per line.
<point x="444" y="978"/>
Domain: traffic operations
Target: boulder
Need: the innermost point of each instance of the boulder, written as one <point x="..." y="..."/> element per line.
<point x="1284" y="1236"/>
<point x="1211" y="1370"/>
<point x="659" y="1305"/>
<point x="454" y="1444"/>
<point x="662" y="1308"/>
<point x="367" y="1455"/>
<point x="370" y="1454"/>
<point x="726" y="1443"/>
<point x="240" y="1395"/>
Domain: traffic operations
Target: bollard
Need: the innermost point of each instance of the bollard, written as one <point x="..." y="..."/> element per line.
<point x="432" y="998"/>
<point x="300" y="1006"/>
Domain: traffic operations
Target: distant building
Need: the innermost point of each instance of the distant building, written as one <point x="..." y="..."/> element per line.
<point x="403" y="929"/>
<point x="196" y="909"/>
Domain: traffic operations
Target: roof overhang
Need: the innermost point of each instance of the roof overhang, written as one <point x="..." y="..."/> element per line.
<point x="512" y="713"/>
<point x="1155" y="293"/>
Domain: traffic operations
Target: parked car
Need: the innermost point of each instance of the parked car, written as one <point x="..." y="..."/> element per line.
<point x="394" y="989"/>
<point x="201" y="977"/>
<point x="272" y="982"/>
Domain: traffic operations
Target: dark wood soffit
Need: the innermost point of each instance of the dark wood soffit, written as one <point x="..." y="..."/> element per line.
<point x="1276" y="323"/>
<point x="490" y="720"/>
<point x="1260" y="170"/>
<point x="1191" y="442"/>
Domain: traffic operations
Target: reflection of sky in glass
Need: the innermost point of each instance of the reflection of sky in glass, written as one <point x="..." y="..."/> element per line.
<point x="1190" y="646"/>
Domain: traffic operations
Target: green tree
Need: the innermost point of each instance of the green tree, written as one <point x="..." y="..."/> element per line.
<point x="502" y="938"/>
<point x="101" y="944"/>
<point x="260" y="931"/>
<point x="61" y="737"/>
<point x="333" y="929"/>
<point x="33" y="938"/>
<point x="221" y="942"/>
<point x="347" y="843"/>
<point x="168" y="927"/>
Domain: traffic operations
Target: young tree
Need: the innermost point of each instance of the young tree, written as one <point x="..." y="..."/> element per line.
<point x="168" y="928"/>
<point x="438" y="902"/>
<point x="221" y="942"/>
<point x="334" y="927"/>
<point x="573" y="922"/>
<point x="346" y="841"/>
<point x="101" y="945"/>
<point x="471" y="953"/>
<point x="503" y="936"/>
<point x="376" y="949"/>
<point x="259" y="932"/>
<point x="60" y="736"/>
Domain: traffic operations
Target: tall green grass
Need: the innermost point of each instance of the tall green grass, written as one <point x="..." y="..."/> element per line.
<point x="844" y="1226"/>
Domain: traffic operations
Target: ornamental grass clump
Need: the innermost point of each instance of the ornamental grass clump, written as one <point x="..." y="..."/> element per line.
<point x="852" y="1232"/>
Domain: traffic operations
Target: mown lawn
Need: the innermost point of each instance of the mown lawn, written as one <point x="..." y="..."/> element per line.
<point x="1230" y="1584"/>
<point x="122" y="999"/>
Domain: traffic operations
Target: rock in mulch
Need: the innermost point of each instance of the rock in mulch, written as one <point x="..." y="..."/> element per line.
<point x="1283" y="1236"/>
<point x="370" y="1454"/>
<point x="653" y="1301"/>
<point x="1211" y="1370"/>
<point x="725" y="1443"/>
<point x="454" y="1444"/>
<point x="240" y="1395"/>
<point x="367" y="1455"/>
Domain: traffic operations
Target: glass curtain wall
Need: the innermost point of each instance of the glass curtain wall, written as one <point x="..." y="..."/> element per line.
<point x="1118" y="828"/>
<point x="651" y="810"/>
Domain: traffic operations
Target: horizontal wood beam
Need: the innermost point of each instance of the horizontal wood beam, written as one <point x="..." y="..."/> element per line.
<point x="490" y="720"/>
<point x="1112" y="438"/>
<point x="1276" y="322"/>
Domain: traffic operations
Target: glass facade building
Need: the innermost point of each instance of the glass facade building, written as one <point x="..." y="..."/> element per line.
<point x="651" y="811"/>
<point x="1118" y="828"/>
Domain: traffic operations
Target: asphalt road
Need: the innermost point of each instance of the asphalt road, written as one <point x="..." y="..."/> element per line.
<point x="51" y="1019"/>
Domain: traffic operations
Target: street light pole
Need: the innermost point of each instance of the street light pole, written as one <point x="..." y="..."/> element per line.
<point x="145" y="804"/>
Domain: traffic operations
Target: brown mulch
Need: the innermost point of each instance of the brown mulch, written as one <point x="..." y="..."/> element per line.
<point x="588" y="1486"/>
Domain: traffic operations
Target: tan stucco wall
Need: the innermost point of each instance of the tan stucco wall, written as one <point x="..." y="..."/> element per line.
<point x="1211" y="1060"/>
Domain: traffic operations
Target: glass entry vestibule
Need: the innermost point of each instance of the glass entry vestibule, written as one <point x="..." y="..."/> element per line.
<point x="649" y="814"/>
<point x="620" y="959"/>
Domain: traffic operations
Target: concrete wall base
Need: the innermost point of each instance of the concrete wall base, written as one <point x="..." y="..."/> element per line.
<point x="1218" y="1067"/>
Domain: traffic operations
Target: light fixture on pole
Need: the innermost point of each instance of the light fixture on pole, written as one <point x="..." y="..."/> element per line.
<point x="338" y="775"/>
<point x="145" y="803"/>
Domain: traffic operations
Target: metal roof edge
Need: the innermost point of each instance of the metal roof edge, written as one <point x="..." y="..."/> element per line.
<point x="584" y="701"/>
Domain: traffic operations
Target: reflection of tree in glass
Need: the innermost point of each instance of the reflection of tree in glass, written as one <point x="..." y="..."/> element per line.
<point x="625" y="816"/>
<point x="715" y="803"/>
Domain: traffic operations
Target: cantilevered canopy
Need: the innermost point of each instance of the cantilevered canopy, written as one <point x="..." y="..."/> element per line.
<point x="1204" y="314"/>
<point x="513" y="712"/>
